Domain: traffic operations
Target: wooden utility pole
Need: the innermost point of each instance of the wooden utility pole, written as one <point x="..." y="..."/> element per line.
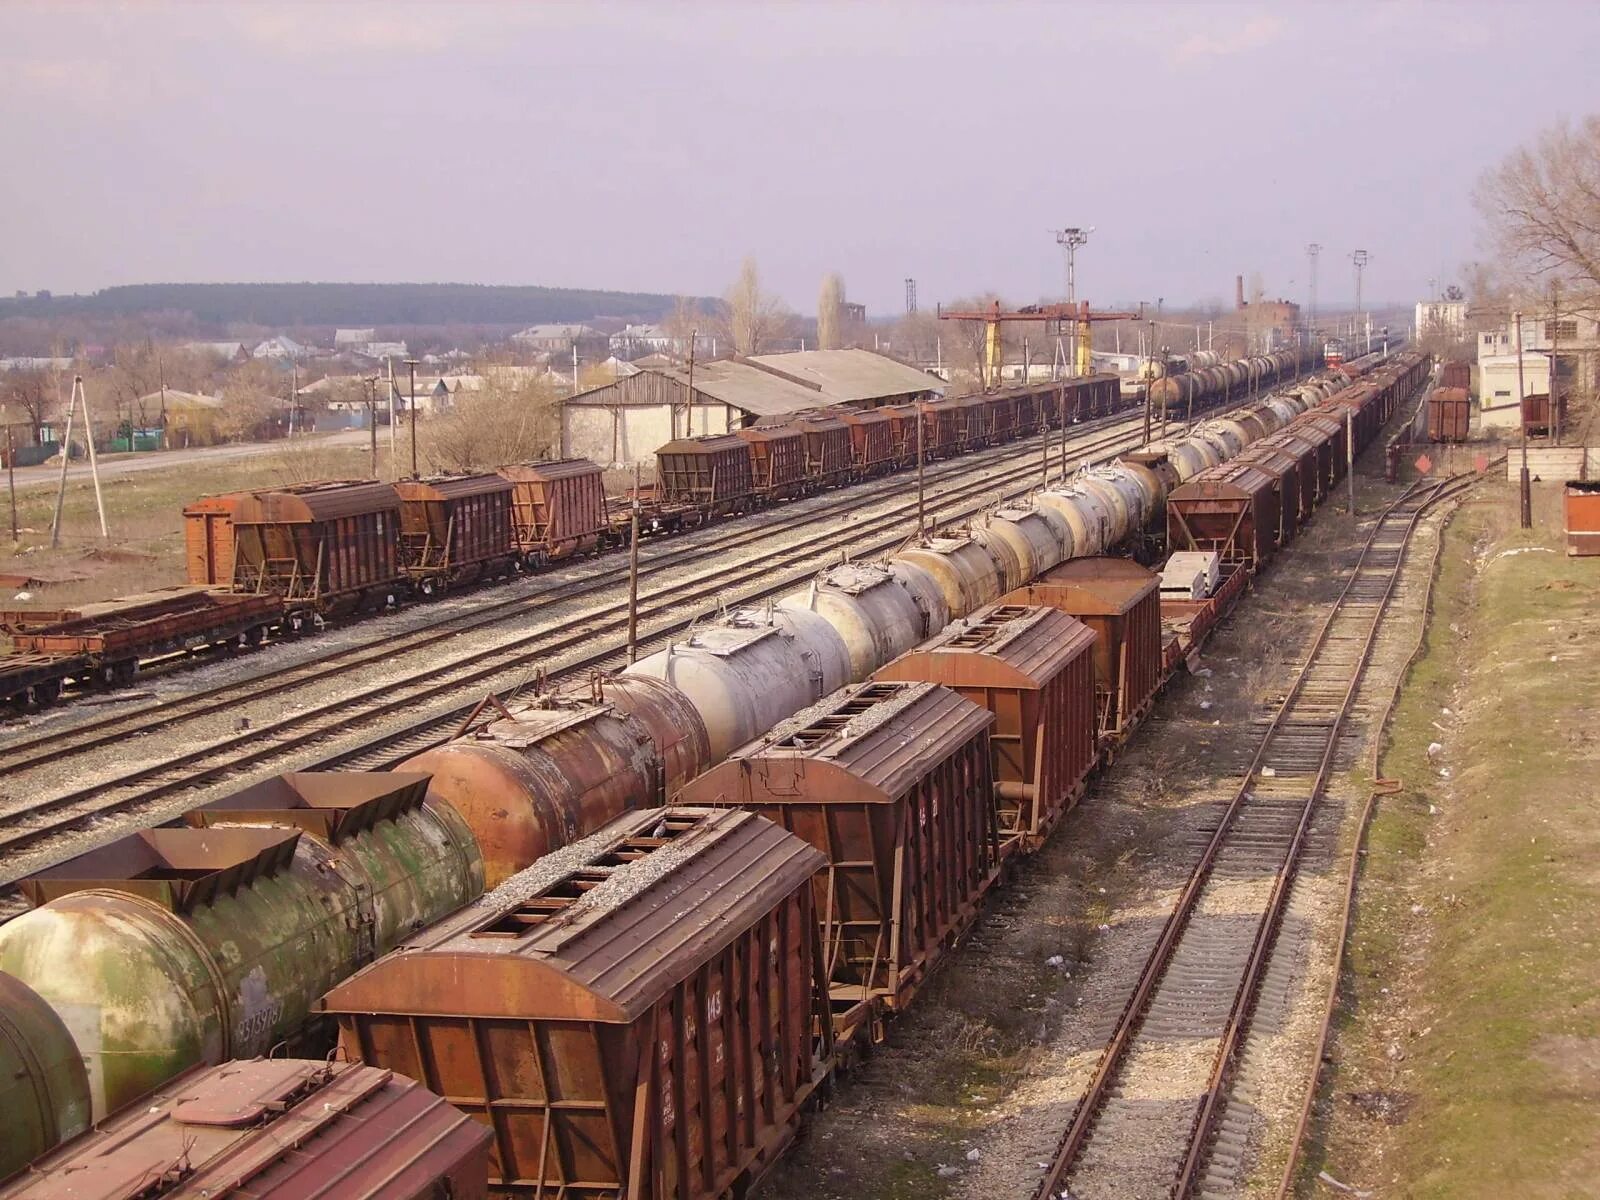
<point x="688" y="406"/>
<point x="633" y="572"/>
<point x="412" y="363"/>
<point x="921" y="497"/>
<point x="79" y="397"/>
<point x="394" y="433"/>
<point x="1555" y="342"/>
<point x="1525" y="483"/>
<point x="1350" y="455"/>
<point x="372" y="425"/>
<point x="11" y="478"/>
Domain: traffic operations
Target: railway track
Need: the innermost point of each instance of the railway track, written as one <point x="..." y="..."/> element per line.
<point x="411" y="701"/>
<point x="1186" y="1022"/>
<point x="655" y="559"/>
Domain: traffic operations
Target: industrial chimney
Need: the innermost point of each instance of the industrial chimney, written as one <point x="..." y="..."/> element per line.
<point x="1238" y="292"/>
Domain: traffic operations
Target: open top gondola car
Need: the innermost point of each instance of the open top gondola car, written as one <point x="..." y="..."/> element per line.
<point x="322" y="547"/>
<point x="455" y="529"/>
<point x="558" y="508"/>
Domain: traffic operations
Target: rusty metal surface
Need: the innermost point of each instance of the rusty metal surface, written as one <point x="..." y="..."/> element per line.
<point x="44" y="1090"/>
<point x="314" y="502"/>
<point x="558" y="507"/>
<point x="1449" y="414"/>
<point x="1581" y="509"/>
<point x="637" y="1014"/>
<point x="1120" y="601"/>
<point x="893" y="783"/>
<point x="334" y="805"/>
<point x="269" y="1129"/>
<point x="1033" y="668"/>
<point x="455" y="527"/>
<point x="1234" y="509"/>
<point x="711" y="473"/>
<point x="133" y="627"/>
<point x="777" y="459"/>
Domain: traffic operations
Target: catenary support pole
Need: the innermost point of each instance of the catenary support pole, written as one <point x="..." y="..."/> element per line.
<point x="633" y="571"/>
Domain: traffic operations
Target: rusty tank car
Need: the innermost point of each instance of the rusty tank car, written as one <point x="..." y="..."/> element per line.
<point x="172" y="948"/>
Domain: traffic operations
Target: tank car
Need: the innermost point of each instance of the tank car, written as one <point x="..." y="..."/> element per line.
<point x="873" y="610"/>
<point x="964" y="572"/>
<point x="1039" y="538"/>
<point x="44" y="1089"/>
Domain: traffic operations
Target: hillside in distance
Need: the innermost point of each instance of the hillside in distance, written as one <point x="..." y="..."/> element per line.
<point x="290" y="305"/>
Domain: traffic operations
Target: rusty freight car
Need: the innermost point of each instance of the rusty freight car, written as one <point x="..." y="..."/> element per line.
<point x="708" y="476"/>
<point x="1234" y="509"/>
<point x="558" y="508"/>
<point x="893" y="783"/>
<point x="455" y="529"/>
<point x="777" y="460"/>
<point x="828" y="451"/>
<point x="1121" y="602"/>
<point x="273" y="1129"/>
<point x="322" y="548"/>
<point x="872" y="448"/>
<point x="1449" y="415"/>
<point x="1033" y="668"/>
<point x="639" y="1014"/>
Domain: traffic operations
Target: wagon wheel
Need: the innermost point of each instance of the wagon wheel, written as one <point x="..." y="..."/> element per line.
<point x="253" y="637"/>
<point x="123" y="673"/>
<point x="46" y="692"/>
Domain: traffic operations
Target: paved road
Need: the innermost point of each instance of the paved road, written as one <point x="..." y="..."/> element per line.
<point x="48" y="474"/>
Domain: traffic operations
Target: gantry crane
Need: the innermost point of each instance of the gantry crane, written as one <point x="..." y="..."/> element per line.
<point x="1075" y="319"/>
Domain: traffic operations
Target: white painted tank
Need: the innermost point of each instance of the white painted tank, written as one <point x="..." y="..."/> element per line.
<point x="1153" y="487"/>
<point x="747" y="671"/>
<point x="1037" y="541"/>
<point x="1008" y="562"/>
<point x="1131" y="498"/>
<point x="1200" y="359"/>
<point x="964" y="571"/>
<point x="925" y="592"/>
<point x="1228" y="437"/>
<point x="1086" y="513"/>
<point x="873" y="612"/>
<point x="1285" y="409"/>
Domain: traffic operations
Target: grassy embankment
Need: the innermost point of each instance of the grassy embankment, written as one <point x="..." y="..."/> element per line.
<point x="1468" y="1051"/>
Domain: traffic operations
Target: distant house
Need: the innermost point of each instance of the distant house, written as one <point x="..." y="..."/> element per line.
<point x="32" y="363"/>
<point x="634" y="340"/>
<point x="227" y="352"/>
<point x="282" y="348"/>
<point x="563" y="339"/>
<point x="382" y="350"/>
<point x="353" y="339"/>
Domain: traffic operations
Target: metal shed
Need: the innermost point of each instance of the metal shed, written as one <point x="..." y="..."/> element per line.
<point x="1033" y="668"/>
<point x="638" y="1014"/>
<point x="1121" y="602"/>
<point x="893" y="783"/>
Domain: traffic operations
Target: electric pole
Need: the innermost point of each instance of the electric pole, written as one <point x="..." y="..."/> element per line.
<point x="412" y="363"/>
<point x="1312" y="250"/>
<point x="911" y="296"/>
<point x="1359" y="258"/>
<point x="1069" y="240"/>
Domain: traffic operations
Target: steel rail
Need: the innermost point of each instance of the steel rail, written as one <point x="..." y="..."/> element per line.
<point x="348" y="710"/>
<point x="1112" y="1057"/>
<point x="22" y="753"/>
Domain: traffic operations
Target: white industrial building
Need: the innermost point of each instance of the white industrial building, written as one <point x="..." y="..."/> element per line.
<point x="1447" y="318"/>
<point x="1573" y="338"/>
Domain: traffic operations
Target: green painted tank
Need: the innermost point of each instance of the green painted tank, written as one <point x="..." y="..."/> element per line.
<point x="44" y="1090"/>
<point x="184" y="946"/>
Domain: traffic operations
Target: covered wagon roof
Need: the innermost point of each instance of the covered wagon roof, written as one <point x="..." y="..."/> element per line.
<point x="1002" y="645"/>
<point x="600" y="929"/>
<point x="885" y="735"/>
<point x="1098" y="585"/>
<point x="314" y="502"/>
<point x="452" y="487"/>
<point x="550" y="469"/>
<point x="850" y="376"/>
<point x="1236" y="479"/>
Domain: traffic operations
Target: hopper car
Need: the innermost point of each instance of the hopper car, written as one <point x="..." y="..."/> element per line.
<point x="565" y="793"/>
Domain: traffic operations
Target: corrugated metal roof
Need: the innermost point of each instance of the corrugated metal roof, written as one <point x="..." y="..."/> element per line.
<point x="886" y="735"/>
<point x="850" y="376"/>
<point x="315" y="502"/>
<point x="1000" y="645"/>
<point x="451" y="487"/>
<point x="727" y="381"/>
<point x="600" y="929"/>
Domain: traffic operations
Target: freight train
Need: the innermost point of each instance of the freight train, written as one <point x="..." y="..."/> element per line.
<point x="285" y="561"/>
<point x="689" y="974"/>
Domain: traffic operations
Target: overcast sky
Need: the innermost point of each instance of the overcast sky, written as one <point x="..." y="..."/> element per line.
<point x="652" y="146"/>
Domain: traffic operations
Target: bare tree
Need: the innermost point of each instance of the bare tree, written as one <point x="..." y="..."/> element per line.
<point x="1542" y="205"/>
<point x="682" y="322"/>
<point x="514" y="418"/>
<point x="35" y="394"/>
<point x="756" y="318"/>
<point x="830" y="312"/>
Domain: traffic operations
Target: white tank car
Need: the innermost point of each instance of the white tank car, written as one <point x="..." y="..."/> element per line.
<point x="964" y="572"/>
<point x="875" y="613"/>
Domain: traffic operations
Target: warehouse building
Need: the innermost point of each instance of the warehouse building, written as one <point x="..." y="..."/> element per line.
<point x="625" y="421"/>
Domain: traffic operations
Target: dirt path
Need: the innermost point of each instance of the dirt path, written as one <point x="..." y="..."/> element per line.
<point x="1467" y="1062"/>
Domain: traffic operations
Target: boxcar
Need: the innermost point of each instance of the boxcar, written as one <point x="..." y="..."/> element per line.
<point x="893" y="783"/>
<point x="1580" y="501"/>
<point x="321" y="547"/>
<point x="1033" y="668"/>
<point x="1091" y="396"/>
<point x="279" y="1129"/>
<point x="1284" y="468"/>
<point x="1309" y="483"/>
<point x="777" y="460"/>
<point x="710" y="476"/>
<point x="828" y="452"/>
<point x="1456" y="375"/>
<point x="1234" y="509"/>
<point x="1536" y="413"/>
<point x="904" y="422"/>
<point x="1121" y="602"/>
<point x="949" y="425"/>
<point x="640" y="1014"/>
<point x="455" y="529"/>
<point x="558" y="508"/>
<point x="872" y="443"/>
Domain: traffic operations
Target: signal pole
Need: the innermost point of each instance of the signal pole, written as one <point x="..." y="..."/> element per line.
<point x="1312" y="250"/>
<point x="1359" y="258"/>
<point x="1069" y="240"/>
